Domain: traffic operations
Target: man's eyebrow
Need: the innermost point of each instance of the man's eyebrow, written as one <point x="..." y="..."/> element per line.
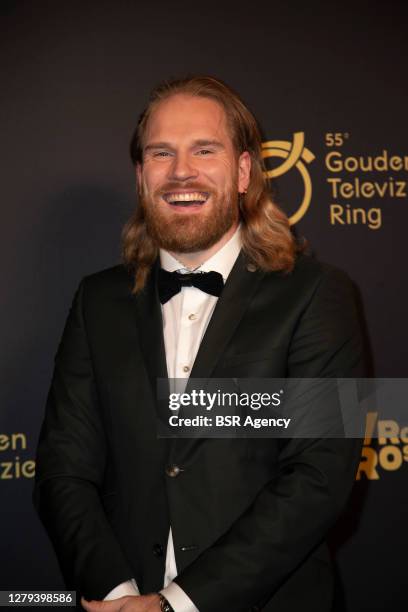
<point x="157" y="145"/>
<point x="208" y="143"/>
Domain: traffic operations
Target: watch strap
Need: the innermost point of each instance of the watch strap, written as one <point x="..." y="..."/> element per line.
<point x="164" y="604"/>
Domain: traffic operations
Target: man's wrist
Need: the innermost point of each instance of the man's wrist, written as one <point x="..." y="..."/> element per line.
<point x="164" y="604"/>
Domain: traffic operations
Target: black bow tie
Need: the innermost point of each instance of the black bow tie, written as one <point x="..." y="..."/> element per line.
<point x="170" y="283"/>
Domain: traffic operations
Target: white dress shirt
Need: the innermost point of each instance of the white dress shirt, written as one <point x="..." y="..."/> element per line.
<point x="185" y="319"/>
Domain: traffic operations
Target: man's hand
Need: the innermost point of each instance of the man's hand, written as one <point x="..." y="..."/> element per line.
<point x="130" y="603"/>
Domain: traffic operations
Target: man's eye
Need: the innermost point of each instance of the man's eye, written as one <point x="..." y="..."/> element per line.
<point x="204" y="152"/>
<point x="161" y="154"/>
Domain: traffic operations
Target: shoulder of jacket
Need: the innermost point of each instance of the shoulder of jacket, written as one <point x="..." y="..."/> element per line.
<point x="116" y="280"/>
<point x="313" y="270"/>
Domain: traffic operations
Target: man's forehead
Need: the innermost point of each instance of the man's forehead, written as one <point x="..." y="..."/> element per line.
<point x="183" y="114"/>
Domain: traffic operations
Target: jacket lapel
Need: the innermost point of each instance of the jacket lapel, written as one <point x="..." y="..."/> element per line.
<point x="231" y="306"/>
<point x="238" y="292"/>
<point x="150" y="325"/>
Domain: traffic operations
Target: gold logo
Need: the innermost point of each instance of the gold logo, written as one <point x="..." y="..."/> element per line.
<point x="294" y="154"/>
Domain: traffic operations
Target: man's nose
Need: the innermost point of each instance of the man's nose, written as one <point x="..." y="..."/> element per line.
<point x="183" y="168"/>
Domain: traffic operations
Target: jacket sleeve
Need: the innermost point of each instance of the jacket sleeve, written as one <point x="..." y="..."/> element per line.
<point x="293" y="513"/>
<point x="71" y="462"/>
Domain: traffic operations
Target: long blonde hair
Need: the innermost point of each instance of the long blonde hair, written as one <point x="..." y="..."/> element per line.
<point x="267" y="241"/>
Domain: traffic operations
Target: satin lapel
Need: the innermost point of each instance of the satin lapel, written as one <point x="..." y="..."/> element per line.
<point x="150" y="324"/>
<point x="232" y="304"/>
<point x="230" y="308"/>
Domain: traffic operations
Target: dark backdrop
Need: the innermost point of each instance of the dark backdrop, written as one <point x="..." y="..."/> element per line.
<point x="74" y="78"/>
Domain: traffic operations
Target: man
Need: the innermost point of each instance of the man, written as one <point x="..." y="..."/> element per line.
<point x="213" y="524"/>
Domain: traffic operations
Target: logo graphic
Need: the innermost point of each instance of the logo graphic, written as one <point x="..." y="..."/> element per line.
<point x="294" y="154"/>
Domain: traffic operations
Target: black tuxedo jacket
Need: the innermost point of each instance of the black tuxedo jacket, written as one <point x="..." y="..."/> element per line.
<point x="249" y="517"/>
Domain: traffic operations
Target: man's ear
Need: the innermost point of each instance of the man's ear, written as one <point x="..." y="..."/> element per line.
<point x="244" y="171"/>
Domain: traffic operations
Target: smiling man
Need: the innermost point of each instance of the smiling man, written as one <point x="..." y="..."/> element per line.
<point x="190" y="182"/>
<point x="213" y="284"/>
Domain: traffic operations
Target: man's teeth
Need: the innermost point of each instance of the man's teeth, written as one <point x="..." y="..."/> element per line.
<point x="194" y="196"/>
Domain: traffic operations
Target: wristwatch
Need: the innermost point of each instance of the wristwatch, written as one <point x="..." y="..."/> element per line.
<point x="164" y="604"/>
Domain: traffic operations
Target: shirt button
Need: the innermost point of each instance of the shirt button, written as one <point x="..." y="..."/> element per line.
<point x="192" y="316"/>
<point x="173" y="471"/>
<point x="186" y="368"/>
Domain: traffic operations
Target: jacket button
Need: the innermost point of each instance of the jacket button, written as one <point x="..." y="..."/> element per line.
<point x="158" y="550"/>
<point x="251" y="267"/>
<point x="173" y="471"/>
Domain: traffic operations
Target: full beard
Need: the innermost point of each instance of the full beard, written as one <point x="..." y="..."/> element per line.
<point x="190" y="233"/>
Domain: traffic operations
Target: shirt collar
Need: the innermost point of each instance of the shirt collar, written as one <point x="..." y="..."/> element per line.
<point x="222" y="261"/>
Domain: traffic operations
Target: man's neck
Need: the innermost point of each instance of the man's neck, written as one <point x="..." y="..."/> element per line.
<point x="197" y="258"/>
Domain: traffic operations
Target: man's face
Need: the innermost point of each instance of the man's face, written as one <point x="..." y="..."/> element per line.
<point x="190" y="176"/>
